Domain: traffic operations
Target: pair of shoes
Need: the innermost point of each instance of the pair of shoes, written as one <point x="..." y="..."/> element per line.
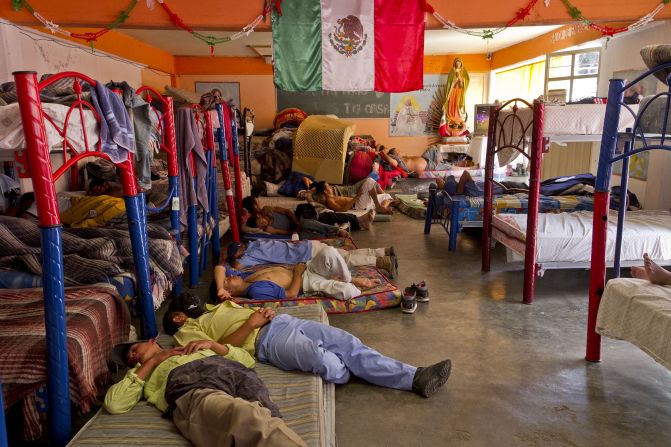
<point x="389" y="264"/>
<point x="428" y="380"/>
<point x="421" y="291"/>
<point x="408" y="301"/>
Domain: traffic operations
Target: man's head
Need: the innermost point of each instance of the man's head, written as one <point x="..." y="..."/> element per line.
<point x="261" y="222"/>
<point x="235" y="285"/>
<point x="321" y="187"/>
<point x="394" y="151"/>
<point x="251" y="204"/>
<point x="173" y="320"/>
<point x="98" y="187"/>
<point x="130" y="354"/>
<point x="235" y="250"/>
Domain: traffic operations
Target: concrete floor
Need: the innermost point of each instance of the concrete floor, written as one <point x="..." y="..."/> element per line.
<point x="519" y="378"/>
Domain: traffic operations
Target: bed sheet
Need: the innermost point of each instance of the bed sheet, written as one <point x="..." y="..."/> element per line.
<point x="11" y="128"/>
<point x="567" y="237"/>
<point x="96" y="321"/>
<point x="639" y="312"/>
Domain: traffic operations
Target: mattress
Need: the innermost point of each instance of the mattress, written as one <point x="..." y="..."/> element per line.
<point x="639" y="312"/>
<point x="96" y="321"/>
<point x="411" y="206"/>
<point x="11" y="128"/>
<point x="306" y="402"/>
<point x="567" y="237"/>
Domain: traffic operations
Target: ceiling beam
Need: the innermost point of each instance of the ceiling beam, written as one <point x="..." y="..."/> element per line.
<point x="215" y="15"/>
<point x="207" y="65"/>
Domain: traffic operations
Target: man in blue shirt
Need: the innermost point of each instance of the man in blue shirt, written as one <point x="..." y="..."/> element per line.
<point x="272" y="251"/>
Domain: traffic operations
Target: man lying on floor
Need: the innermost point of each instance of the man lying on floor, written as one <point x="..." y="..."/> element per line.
<point x="270" y="251"/>
<point x="326" y="273"/>
<point x="366" y="194"/>
<point x="207" y="387"/>
<point x="295" y="344"/>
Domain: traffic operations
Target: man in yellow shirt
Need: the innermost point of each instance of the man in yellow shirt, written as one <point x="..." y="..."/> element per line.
<point x="294" y="344"/>
<point x="204" y="416"/>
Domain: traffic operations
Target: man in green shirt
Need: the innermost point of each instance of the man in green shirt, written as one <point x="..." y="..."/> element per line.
<point x="202" y="415"/>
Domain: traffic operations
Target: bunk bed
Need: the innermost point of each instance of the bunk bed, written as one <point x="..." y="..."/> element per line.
<point x="83" y="246"/>
<point x="629" y="309"/>
<point x="62" y="342"/>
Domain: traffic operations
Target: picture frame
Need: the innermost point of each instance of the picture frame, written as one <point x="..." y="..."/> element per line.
<point x="230" y="91"/>
<point x="481" y="119"/>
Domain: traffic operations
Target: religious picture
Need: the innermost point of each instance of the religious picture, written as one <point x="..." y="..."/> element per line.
<point x="409" y="112"/>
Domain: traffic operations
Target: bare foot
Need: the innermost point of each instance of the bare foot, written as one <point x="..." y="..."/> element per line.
<point x="656" y="274"/>
<point x="384" y="210"/>
<point x="639" y="273"/>
<point x="366" y="220"/>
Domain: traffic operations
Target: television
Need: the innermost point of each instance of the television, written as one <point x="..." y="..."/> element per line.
<point x="481" y="120"/>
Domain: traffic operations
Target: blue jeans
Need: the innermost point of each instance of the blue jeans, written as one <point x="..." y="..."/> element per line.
<point x="294" y="344"/>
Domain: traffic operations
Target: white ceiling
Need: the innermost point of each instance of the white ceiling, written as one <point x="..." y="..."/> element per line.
<point x="180" y="43"/>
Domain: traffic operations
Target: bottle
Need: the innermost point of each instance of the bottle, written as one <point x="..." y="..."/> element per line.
<point x="294" y="237"/>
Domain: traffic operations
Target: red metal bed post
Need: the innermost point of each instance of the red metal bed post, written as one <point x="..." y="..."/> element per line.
<point x="597" y="275"/>
<point x="536" y="156"/>
<point x="39" y="166"/>
<point x="489" y="188"/>
<point x="235" y="158"/>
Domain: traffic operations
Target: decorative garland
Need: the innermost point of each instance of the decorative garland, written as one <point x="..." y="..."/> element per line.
<point x="88" y="37"/>
<point x="609" y="31"/>
<point x="521" y="14"/>
<point x="213" y="40"/>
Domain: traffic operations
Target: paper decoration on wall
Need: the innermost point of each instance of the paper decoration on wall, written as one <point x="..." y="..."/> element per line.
<point x="359" y="45"/>
<point x="410" y="112"/>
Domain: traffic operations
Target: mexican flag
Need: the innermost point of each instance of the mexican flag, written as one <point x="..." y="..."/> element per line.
<point x="349" y="45"/>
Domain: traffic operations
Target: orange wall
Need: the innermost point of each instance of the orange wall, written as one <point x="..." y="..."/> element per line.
<point x="257" y="90"/>
<point x="232" y="15"/>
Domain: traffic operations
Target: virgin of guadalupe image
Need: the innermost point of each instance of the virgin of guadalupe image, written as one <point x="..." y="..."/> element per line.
<point x="454" y="109"/>
<point x="408" y="118"/>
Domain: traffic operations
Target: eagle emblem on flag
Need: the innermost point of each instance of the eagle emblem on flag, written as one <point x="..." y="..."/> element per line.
<point x="348" y="37"/>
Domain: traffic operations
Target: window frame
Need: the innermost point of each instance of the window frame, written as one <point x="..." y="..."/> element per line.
<point x="572" y="77"/>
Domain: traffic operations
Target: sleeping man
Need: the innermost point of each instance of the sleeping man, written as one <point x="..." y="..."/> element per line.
<point x="366" y="194"/>
<point x="326" y="273"/>
<point x="295" y="344"/>
<point x="270" y="251"/>
<point x="207" y="387"/>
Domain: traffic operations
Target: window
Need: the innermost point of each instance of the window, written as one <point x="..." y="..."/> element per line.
<point x="572" y="75"/>
<point x="526" y="82"/>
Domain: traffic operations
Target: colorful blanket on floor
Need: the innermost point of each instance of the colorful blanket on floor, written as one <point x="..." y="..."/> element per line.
<point x="96" y="321"/>
<point x="381" y="297"/>
<point x="90" y="255"/>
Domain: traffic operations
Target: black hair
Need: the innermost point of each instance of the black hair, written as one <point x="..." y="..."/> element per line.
<point x="169" y="326"/>
<point x="320" y="187"/>
<point x="248" y="203"/>
<point x="96" y="181"/>
<point x="391" y="151"/>
<point x="252" y="223"/>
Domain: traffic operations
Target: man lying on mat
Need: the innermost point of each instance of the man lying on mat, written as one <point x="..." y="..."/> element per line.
<point x="326" y="273"/>
<point x="652" y="272"/>
<point x="295" y="344"/>
<point x="366" y="194"/>
<point x="270" y="251"/>
<point x="207" y="388"/>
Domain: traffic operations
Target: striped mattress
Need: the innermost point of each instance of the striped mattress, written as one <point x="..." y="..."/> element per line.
<point x="306" y="402"/>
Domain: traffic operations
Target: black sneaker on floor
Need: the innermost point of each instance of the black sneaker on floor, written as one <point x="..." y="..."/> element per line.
<point x="428" y="380"/>
<point x="422" y="292"/>
<point x="408" y="301"/>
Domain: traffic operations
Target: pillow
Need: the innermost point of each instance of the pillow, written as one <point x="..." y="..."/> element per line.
<point x="654" y="55"/>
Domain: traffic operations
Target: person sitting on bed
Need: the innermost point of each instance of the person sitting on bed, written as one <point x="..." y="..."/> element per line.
<point x="291" y="343"/>
<point x="206" y="386"/>
<point x="326" y="273"/>
<point x="652" y="272"/>
<point x="366" y="194"/>
<point x="268" y="251"/>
